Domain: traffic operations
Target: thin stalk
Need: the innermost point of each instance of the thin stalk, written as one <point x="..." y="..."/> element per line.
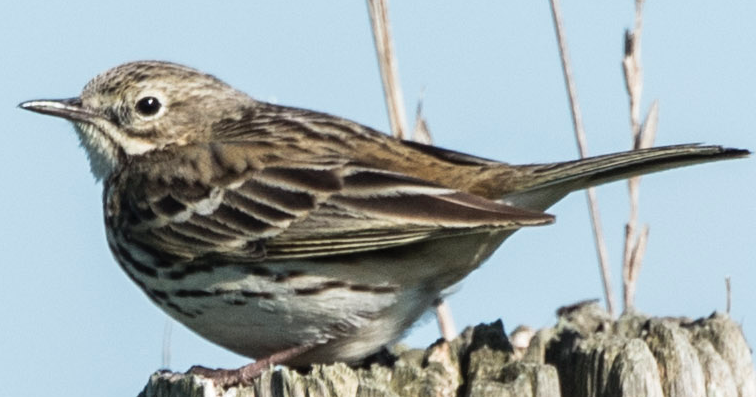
<point x="577" y="124"/>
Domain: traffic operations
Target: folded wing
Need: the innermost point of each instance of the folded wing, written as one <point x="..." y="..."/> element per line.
<point x="290" y="209"/>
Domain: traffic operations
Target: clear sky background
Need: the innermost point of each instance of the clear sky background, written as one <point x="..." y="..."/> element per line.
<point x="493" y="87"/>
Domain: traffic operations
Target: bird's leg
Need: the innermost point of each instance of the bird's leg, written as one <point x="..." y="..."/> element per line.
<point x="246" y="374"/>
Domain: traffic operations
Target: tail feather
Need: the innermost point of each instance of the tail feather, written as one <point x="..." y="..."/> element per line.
<point x="543" y="185"/>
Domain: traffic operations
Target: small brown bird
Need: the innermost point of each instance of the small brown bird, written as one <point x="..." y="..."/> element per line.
<point x="293" y="236"/>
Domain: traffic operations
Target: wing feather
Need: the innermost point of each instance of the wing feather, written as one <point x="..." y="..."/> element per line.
<point x="300" y="210"/>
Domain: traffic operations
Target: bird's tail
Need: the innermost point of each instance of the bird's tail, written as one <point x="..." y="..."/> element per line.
<point x="544" y="184"/>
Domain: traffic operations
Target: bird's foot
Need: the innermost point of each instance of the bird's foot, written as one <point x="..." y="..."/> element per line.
<point x="231" y="377"/>
<point x="245" y="375"/>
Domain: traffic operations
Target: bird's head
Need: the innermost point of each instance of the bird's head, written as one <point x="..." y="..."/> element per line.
<point x="139" y="107"/>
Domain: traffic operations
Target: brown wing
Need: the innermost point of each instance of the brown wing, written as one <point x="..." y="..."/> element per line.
<point x="231" y="202"/>
<point x="377" y="209"/>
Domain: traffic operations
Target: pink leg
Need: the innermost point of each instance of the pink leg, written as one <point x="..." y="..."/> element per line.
<point x="246" y="374"/>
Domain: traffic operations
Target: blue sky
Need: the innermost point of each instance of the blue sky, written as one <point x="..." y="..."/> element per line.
<point x="493" y="87"/>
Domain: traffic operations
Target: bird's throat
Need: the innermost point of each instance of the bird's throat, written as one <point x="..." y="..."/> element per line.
<point x="101" y="150"/>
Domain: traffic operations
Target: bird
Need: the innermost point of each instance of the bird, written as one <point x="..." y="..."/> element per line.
<point x="292" y="236"/>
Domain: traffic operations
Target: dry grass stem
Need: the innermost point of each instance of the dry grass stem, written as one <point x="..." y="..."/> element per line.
<point x="167" y="332"/>
<point x="648" y="130"/>
<point x="643" y="137"/>
<point x="728" y="286"/>
<point x="421" y="133"/>
<point x="445" y="320"/>
<point x="630" y="273"/>
<point x="384" y="47"/>
<point x="582" y="147"/>
<point x="379" y="21"/>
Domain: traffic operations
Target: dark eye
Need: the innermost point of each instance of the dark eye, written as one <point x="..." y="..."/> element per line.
<point x="148" y="106"/>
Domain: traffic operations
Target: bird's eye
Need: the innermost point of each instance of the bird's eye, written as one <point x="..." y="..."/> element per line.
<point x="148" y="106"/>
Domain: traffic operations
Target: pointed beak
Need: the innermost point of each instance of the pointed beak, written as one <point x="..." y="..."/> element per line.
<point x="70" y="108"/>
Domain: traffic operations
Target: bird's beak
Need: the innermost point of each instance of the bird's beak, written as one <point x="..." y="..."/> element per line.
<point x="70" y="108"/>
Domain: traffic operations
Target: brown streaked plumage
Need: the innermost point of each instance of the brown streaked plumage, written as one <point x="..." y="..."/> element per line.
<point x="293" y="236"/>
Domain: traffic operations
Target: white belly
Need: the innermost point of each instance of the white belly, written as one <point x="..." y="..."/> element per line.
<point x="348" y="307"/>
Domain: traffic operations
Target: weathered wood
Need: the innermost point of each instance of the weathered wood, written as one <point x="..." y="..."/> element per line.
<point x="585" y="354"/>
<point x="641" y="356"/>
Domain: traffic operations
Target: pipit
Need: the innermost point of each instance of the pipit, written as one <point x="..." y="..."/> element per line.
<point x="297" y="237"/>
